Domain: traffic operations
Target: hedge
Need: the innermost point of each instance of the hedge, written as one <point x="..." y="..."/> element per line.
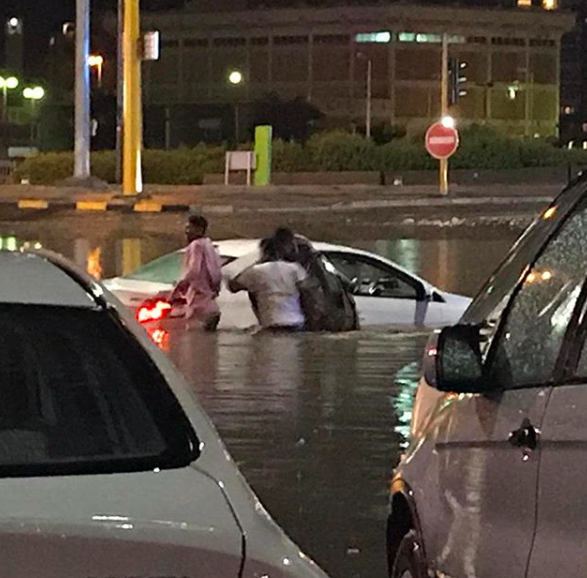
<point x="481" y="148"/>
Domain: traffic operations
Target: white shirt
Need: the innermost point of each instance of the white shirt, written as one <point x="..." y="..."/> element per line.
<point x="275" y="284"/>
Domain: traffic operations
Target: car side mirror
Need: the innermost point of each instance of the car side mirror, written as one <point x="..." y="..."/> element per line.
<point x="452" y="361"/>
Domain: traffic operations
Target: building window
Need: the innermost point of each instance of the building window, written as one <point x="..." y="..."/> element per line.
<point x="196" y="43"/>
<point x="229" y="42"/>
<point x="383" y="37"/>
<point x="476" y="40"/>
<point x="525" y="3"/>
<point x="550" y="4"/>
<point x="422" y="38"/>
<point x="503" y="41"/>
<point x="542" y="42"/>
<point x="339" y="39"/>
<point x="289" y="40"/>
<point x="260" y="41"/>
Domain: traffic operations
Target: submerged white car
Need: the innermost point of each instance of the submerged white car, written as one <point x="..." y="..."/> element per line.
<point x="385" y="293"/>
<point x="108" y="465"/>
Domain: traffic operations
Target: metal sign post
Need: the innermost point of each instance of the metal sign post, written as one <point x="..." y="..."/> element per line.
<point x="132" y="181"/>
<point x="444" y="111"/>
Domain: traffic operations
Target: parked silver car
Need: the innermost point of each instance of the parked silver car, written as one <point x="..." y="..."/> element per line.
<point x="493" y="485"/>
<point x="109" y="467"/>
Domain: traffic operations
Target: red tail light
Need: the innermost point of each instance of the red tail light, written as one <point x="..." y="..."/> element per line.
<point x="155" y="310"/>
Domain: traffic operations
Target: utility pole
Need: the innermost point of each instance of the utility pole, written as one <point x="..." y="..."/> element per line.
<point x="132" y="182"/>
<point x="82" y="91"/>
<point x="119" y="89"/>
<point x="369" y="97"/>
<point x="444" y="111"/>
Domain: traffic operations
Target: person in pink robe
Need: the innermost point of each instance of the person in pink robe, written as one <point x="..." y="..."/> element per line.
<point x="200" y="284"/>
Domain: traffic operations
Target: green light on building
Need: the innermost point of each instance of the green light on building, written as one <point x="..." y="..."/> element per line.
<point x="382" y="37"/>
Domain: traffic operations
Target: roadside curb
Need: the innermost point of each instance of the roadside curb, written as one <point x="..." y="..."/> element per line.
<point x="144" y="206"/>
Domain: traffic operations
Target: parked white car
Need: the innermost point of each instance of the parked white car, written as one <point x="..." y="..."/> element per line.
<point x="385" y="293"/>
<point x="492" y="485"/>
<point x="108" y="465"/>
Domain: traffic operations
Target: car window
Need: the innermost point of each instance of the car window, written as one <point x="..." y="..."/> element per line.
<point x="78" y="394"/>
<point x="528" y="344"/>
<point x="166" y="269"/>
<point x="368" y="278"/>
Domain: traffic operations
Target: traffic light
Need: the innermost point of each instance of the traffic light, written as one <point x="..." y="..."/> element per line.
<point x="457" y="80"/>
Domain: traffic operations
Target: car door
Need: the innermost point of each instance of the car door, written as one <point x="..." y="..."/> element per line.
<point x="560" y="546"/>
<point x="384" y="295"/>
<point x="489" y="448"/>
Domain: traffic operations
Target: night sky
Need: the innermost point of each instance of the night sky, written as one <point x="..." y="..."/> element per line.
<point x="43" y="18"/>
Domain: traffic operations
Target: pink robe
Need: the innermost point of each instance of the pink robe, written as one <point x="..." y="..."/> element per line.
<point x="203" y="276"/>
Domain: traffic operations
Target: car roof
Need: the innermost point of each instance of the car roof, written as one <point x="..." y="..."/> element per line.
<point x="236" y="248"/>
<point x="41" y="278"/>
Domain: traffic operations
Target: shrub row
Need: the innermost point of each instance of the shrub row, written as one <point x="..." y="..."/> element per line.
<point x="481" y="148"/>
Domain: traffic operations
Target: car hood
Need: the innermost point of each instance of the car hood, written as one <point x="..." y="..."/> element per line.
<point x="133" y="524"/>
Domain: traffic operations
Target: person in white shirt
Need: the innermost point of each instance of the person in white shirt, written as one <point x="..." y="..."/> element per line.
<point x="274" y="285"/>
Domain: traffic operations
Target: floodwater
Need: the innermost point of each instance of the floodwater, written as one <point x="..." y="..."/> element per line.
<point x="316" y="422"/>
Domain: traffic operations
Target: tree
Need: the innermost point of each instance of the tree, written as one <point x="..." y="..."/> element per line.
<point x="290" y="119"/>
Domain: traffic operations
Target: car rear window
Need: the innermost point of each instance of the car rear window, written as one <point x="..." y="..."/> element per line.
<point x="79" y="395"/>
<point x="166" y="269"/>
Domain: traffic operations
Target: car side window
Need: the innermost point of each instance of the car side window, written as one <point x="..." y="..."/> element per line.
<point x="367" y="278"/>
<point x="528" y="345"/>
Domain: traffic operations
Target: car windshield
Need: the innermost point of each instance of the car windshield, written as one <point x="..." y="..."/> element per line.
<point x="166" y="269"/>
<point x="80" y="395"/>
<point x="495" y="294"/>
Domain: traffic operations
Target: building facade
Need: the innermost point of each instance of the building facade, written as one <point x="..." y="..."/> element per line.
<point x="512" y="59"/>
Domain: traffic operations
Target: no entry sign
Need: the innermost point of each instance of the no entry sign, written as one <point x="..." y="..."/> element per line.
<point x="441" y="141"/>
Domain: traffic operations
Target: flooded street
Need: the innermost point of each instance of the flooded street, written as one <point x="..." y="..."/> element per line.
<point x="316" y="422"/>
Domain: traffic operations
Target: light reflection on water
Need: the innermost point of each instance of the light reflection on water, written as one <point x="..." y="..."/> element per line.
<point x="451" y="263"/>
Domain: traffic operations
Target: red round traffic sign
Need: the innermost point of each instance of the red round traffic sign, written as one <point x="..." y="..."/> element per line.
<point x="441" y="141"/>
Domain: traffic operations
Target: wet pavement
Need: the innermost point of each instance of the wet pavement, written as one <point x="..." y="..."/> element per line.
<point x="316" y="422"/>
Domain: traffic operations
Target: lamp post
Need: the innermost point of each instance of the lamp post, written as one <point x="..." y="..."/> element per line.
<point x="369" y="92"/>
<point x="236" y="78"/>
<point x="7" y="84"/>
<point x="96" y="61"/>
<point x="81" y="170"/>
<point x="33" y="95"/>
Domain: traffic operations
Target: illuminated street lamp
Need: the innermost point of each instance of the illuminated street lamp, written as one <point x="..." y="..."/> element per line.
<point x="97" y="61"/>
<point x="33" y="94"/>
<point x="7" y="84"/>
<point x="236" y="78"/>
<point x="448" y="121"/>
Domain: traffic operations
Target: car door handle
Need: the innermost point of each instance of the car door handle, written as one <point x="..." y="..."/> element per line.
<point x="525" y="437"/>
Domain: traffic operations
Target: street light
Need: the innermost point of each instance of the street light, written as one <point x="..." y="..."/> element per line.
<point x="33" y="94"/>
<point x="369" y="95"/>
<point x="97" y="61"/>
<point x="236" y="78"/>
<point x="7" y="84"/>
<point x="448" y="121"/>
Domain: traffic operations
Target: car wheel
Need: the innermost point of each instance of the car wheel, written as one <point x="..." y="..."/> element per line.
<point x="409" y="562"/>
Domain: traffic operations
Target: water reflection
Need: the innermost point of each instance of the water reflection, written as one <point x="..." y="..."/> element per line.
<point x="316" y="422"/>
<point x="451" y="263"/>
